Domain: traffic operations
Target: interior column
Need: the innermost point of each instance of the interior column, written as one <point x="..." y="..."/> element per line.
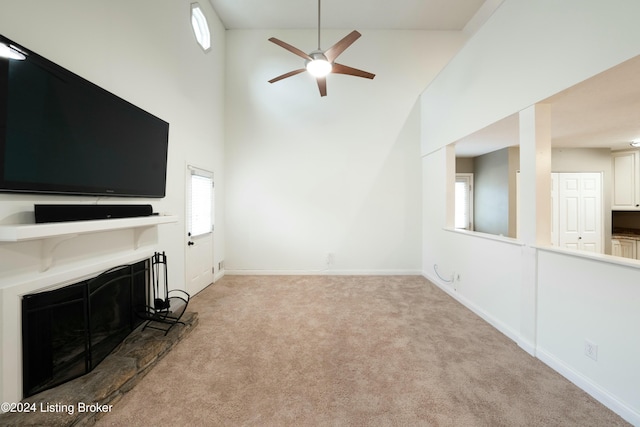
<point x="534" y="221"/>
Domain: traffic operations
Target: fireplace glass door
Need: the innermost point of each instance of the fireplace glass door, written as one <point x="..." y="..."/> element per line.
<point x="68" y="331"/>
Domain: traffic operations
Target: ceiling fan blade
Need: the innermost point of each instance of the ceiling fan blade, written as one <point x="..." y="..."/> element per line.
<point x="290" y="48"/>
<point x="322" y="85"/>
<point x="343" y="69"/>
<point x="335" y="50"/>
<point x="285" y="75"/>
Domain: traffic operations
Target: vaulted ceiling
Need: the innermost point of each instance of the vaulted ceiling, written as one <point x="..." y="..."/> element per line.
<point x="603" y="111"/>
<point x="352" y="14"/>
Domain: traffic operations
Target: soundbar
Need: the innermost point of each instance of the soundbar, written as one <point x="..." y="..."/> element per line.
<point x="63" y="213"/>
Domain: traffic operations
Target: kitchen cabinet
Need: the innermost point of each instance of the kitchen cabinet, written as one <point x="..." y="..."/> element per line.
<point x="626" y="180"/>
<point x="626" y="248"/>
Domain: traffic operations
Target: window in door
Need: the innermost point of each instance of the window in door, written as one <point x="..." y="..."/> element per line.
<point x="200" y="206"/>
<point x="464" y="201"/>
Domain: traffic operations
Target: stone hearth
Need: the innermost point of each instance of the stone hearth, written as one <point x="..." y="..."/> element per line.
<point x="79" y="402"/>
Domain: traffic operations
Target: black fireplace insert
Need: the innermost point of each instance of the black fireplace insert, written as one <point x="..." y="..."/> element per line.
<point x="67" y="332"/>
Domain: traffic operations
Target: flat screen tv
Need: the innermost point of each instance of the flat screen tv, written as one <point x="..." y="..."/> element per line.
<point x="62" y="134"/>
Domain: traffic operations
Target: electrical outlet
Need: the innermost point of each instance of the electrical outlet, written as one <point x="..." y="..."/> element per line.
<point x="591" y="350"/>
<point x="330" y="259"/>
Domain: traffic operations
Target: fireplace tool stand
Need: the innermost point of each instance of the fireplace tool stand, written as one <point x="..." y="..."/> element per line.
<point x="167" y="306"/>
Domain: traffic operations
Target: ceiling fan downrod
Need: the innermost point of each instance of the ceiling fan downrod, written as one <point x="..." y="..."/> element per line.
<point x="319" y="25"/>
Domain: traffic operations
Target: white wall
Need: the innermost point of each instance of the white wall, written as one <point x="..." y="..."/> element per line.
<point x="144" y="52"/>
<point x="526" y="52"/>
<point x="497" y="74"/>
<point x="308" y="176"/>
<point x="480" y="270"/>
<point x="583" y="300"/>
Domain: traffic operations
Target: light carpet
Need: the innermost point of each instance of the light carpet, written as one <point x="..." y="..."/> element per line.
<point x="348" y="351"/>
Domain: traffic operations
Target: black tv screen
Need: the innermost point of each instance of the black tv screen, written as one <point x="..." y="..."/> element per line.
<point x="60" y="133"/>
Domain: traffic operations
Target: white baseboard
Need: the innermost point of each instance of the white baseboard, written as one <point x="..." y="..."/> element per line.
<point x="527" y="346"/>
<point x="584" y="383"/>
<point x="219" y="275"/>
<point x="323" y="272"/>
<point x="593" y="389"/>
<point x="500" y="326"/>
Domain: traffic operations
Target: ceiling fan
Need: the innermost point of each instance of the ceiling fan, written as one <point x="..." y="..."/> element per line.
<point x="320" y="63"/>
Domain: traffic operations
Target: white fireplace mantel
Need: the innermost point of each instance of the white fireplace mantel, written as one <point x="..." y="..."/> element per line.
<point x="53" y="233"/>
<point x="126" y="240"/>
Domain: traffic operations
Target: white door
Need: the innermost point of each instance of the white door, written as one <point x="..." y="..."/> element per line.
<point x="199" y="241"/>
<point x="580" y="211"/>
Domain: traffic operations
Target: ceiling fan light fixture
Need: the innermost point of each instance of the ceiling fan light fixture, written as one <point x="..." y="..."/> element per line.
<point x="318" y="66"/>
<point x="320" y="63"/>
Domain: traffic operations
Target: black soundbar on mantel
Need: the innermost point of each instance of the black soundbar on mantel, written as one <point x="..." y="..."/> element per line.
<point x="63" y="213"/>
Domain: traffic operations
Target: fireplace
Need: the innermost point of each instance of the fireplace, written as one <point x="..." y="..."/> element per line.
<point x="68" y="331"/>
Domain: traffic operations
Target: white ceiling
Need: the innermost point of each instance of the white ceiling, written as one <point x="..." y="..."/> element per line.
<point x="601" y="112"/>
<point x="352" y="14"/>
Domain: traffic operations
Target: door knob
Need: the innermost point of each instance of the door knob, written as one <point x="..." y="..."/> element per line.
<point x="190" y="243"/>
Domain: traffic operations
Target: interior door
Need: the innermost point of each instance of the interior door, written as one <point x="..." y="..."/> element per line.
<point x="199" y="234"/>
<point x="580" y="211"/>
